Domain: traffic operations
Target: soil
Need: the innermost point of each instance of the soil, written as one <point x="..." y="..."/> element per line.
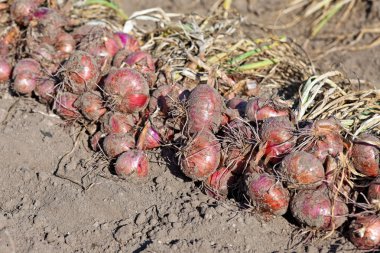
<point x="90" y="210"/>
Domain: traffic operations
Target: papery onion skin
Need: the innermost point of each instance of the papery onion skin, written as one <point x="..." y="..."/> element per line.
<point x="95" y="141"/>
<point x="149" y="138"/>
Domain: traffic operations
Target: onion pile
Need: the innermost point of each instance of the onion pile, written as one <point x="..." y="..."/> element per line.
<point x="74" y="71"/>
<point x="250" y="149"/>
<point x="26" y="75"/>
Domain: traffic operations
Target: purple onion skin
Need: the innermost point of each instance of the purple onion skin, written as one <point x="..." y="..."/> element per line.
<point x="313" y="208"/>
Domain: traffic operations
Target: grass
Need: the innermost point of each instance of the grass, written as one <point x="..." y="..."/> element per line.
<point x="110" y="5"/>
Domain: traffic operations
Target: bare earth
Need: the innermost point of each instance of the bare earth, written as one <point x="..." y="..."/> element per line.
<point x="40" y="212"/>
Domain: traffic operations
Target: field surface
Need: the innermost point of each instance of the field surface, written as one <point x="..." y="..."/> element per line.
<point x="40" y="212"/>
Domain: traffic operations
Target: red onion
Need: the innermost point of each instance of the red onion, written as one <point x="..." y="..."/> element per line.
<point x="149" y="138"/>
<point x="115" y="144"/>
<point x="258" y="109"/>
<point x="144" y="63"/>
<point x="326" y="126"/>
<point x="65" y="44"/>
<point x="127" y="41"/>
<point x="26" y="65"/>
<point x="158" y="100"/>
<point x="112" y="46"/>
<point x="314" y="209"/>
<point x="100" y="44"/>
<point x="47" y="56"/>
<point x="118" y="59"/>
<point x="45" y="27"/>
<point x="5" y="70"/>
<point x="325" y="139"/>
<point x="81" y="72"/>
<point x="373" y="194"/>
<point x="64" y="105"/>
<point x="132" y="162"/>
<point x="219" y="183"/>
<point x="22" y="10"/>
<point x="177" y="94"/>
<point x="163" y="128"/>
<point x="49" y="17"/>
<point x="237" y="104"/>
<point x="365" y="232"/>
<point x="365" y="155"/>
<point x="235" y="159"/>
<point x="114" y="122"/>
<point x="278" y="135"/>
<point x="302" y="170"/>
<point x="127" y="89"/>
<point x="25" y="83"/>
<point x="90" y="104"/>
<point x="204" y="109"/>
<point x="45" y="90"/>
<point x="329" y="144"/>
<point x="267" y="194"/>
<point x="201" y="156"/>
<point x="164" y="97"/>
<point x="237" y="140"/>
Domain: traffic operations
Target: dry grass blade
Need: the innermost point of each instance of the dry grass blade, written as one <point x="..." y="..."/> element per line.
<point x="327" y="15"/>
<point x="331" y="95"/>
<point x="331" y="16"/>
<point x="351" y="42"/>
<point x="318" y="12"/>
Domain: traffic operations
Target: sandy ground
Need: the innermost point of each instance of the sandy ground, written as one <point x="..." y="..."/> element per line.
<point x="40" y="212"/>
